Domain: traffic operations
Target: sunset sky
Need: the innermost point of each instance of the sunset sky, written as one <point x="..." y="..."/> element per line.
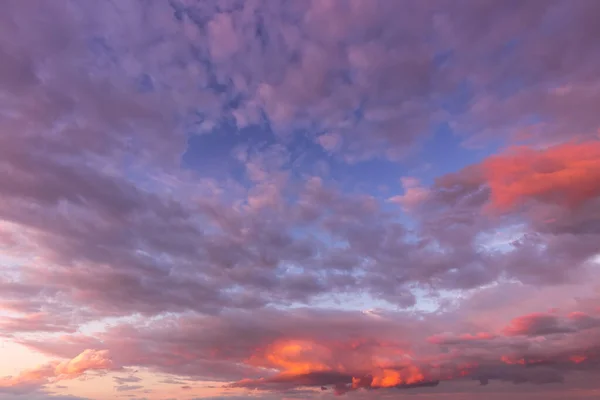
<point x="296" y="199"/>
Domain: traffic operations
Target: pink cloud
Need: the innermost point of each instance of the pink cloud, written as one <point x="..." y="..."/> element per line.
<point x="566" y="174"/>
<point x="36" y="322"/>
<point x="88" y="360"/>
<point x="223" y="36"/>
<point x="348" y="351"/>
<point x="112" y="213"/>
<point x="536" y="324"/>
<point x="414" y="194"/>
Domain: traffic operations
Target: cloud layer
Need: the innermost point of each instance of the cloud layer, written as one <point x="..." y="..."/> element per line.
<point x="314" y="198"/>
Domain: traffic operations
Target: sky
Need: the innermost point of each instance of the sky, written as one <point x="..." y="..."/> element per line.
<point x="299" y="199"/>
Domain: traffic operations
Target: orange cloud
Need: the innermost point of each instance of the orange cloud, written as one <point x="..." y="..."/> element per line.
<point x="362" y="364"/>
<point x="295" y="357"/>
<point x="566" y="174"/>
<point x="390" y="377"/>
<point x="58" y="371"/>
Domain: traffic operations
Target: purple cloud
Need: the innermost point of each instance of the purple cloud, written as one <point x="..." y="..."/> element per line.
<point x="397" y="193"/>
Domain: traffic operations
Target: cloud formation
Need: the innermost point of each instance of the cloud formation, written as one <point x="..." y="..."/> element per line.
<point x="307" y="198"/>
<point x="346" y="351"/>
<point x="30" y="380"/>
<point x="564" y="175"/>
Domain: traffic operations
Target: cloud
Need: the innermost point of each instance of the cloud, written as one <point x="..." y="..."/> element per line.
<point x="109" y="110"/>
<point x="127" y="379"/>
<point x="330" y="141"/>
<point x="347" y="351"/>
<point x="98" y="212"/>
<point x="536" y="324"/>
<point x="414" y="194"/>
<point x="243" y="250"/>
<point x="223" y="38"/>
<point x="547" y="324"/>
<point x="343" y="67"/>
<point x="450" y="339"/>
<point x="33" y="379"/>
<point x="37" y="396"/>
<point x="551" y="230"/>
<point x="35" y="323"/>
<point x="127" y="388"/>
<point x="563" y="175"/>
